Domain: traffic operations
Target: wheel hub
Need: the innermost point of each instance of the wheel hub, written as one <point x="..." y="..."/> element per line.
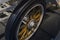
<point x="31" y="24"/>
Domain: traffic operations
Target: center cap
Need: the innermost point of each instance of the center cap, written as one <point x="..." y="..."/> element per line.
<point x="31" y="24"/>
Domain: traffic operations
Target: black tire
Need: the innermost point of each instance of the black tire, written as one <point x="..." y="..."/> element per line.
<point x="18" y="14"/>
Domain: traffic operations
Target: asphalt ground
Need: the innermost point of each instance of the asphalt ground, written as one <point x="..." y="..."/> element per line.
<point x="2" y="29"/>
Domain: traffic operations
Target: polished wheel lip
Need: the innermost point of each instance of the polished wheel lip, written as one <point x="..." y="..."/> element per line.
<point x="38" y="23"/>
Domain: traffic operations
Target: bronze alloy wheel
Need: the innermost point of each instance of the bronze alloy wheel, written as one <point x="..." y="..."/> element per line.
<point x="30" y="22"/>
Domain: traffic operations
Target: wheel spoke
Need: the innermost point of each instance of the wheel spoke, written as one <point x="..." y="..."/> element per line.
<point x="36" y="16"/>
<point x="24" y="22"/>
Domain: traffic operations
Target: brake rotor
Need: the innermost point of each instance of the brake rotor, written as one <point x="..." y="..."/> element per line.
<point x="30" y="23"/>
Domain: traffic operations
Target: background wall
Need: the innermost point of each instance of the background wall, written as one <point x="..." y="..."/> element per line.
<point x="2" y="1"/>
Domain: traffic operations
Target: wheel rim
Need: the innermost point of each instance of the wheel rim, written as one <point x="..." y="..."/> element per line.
<point x="30" y="22"/>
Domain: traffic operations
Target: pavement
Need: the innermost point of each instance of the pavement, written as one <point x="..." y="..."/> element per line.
<point x="3" y="22"/>
<point x="2" y="28"/>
